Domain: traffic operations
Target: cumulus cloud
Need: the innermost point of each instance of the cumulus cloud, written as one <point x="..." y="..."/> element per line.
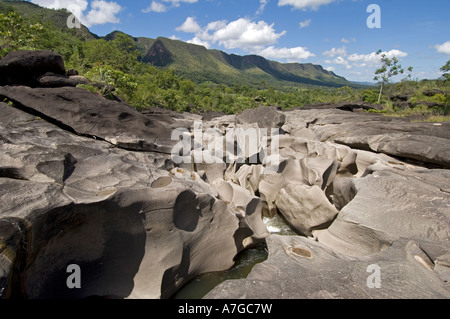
<point x="355" y="60"/>
<point x="255" y="37"/>
<point x="374" y="58"/>
<point x="305" y="23"/>
<point x="304" y="4"/>
<point x="297" y="54"/>
<point x="100" y="11"/>
<point x="242" y="33"/>
<point x="198" y="41"/>
<point x="189" y="26"/>
<point x="443" y="48"/>
<point x="246" y="34"/>
<point x="334" y="52"/>
<point x="155" y="7"/>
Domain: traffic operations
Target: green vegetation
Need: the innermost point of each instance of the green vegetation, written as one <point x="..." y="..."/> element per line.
<point x="389" y="69"/>
<point x="426" y="100"/>
<point x="446" y="69"/>
<point x="125" y="63"/>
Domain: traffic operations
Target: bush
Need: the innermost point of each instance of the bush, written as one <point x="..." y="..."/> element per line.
<point x="370" y="96"/>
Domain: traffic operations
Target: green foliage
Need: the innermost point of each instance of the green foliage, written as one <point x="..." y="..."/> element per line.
<point x="446" y="69"/>
<point x="16" y="33"/>
<point x="389" y="69"/>
<point x="370" y="96"/>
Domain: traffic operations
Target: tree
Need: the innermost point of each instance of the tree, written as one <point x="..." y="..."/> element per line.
<point x="390" y="68"/>
<point x="446" y="69"/>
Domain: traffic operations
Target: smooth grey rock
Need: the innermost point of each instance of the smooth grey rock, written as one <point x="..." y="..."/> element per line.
<point x="23" y="67"/>
<point x="389" y="204"/>
<point x="424" y="142"/>
<point x="137" y="227"/>
<point x="300" y="268"/>
<point x="305" y="207"/>
<point x="51" y="80"/>
<point x="90" y="114"/>
<point x="247" y="207"/>
<point x="265" y="117"/>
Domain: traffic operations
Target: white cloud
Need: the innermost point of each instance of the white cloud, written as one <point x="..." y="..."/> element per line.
<point x="297" y="54"/>
<point x="155" y="7"/>
<point x="262" y="6"/>
<point x="334" y="52"/>
<point x="100" y="12"/>
<point x="255" y="37"/>
<point x="443" y="48"/>
<point x="176" y="3"/>
<point x="357" y="61"/>
<point x="198" y="41"/>
<point x="305" y="23"/>
<point x="189" y="26"/>
<point x="304" y="4"/>
<point x="77" y="7"/>
<point x="330" y="68"/>
<point x="242" y="33"/>
<point x="373" y="58"/>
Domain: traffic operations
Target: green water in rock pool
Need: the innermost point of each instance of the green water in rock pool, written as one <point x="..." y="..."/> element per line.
<point x="202" y="285"/>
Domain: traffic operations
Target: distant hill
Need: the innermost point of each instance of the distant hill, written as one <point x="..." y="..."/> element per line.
<point x="200" y="64"/>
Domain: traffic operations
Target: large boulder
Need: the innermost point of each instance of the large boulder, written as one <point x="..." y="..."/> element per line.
<point x="414" y="205"/>
<point x="24" y="67"/>
<point x="90" y="114"/>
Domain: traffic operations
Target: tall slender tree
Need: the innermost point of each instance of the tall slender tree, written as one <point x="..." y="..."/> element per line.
<point x="390" y="67"/>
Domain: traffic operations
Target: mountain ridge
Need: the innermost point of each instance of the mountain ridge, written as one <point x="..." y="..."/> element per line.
<point x="200" y="64"/>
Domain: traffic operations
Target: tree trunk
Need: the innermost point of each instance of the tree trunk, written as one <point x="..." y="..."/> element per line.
<point x="381" y="92"/>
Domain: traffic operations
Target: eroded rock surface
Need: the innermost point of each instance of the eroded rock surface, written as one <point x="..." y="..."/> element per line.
<point x="92" y="182"/>
<point x="137" y="226"/>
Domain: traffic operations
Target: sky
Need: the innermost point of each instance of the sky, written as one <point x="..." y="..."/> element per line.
<point x="340" y="35"/>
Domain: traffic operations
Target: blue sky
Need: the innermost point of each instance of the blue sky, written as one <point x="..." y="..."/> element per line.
<point x="332" y="33"/>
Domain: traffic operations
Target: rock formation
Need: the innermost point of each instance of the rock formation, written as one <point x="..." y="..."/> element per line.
<point x="92" y="182"/>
